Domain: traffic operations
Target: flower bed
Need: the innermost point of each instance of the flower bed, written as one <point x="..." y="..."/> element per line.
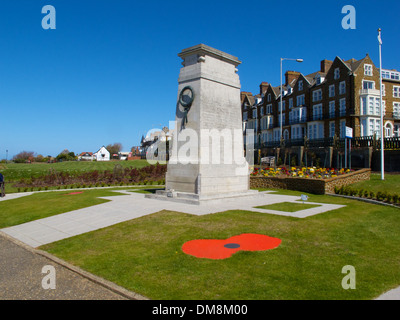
<point x="311" y="180"/>
<point x="304" y="172"/>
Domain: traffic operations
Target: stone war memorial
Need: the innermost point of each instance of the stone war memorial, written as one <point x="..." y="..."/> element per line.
<point x="207" y="160"/>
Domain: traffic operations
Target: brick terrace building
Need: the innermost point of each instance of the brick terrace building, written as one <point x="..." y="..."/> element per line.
<point x="321" y="104"/>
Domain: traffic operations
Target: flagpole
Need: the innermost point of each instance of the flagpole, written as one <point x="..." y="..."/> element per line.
<point x="381" y="102"/>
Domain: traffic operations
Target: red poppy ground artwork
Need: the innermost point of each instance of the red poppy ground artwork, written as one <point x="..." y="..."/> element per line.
<point x="223" y="249"/>
<point x="72" y="193"/>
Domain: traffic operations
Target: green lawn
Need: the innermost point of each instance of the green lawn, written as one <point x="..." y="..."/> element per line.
<point x="45" y="204"/>
<point x="144" y="255"/>
<point x="16" y="171"/>
<point x="288" y="206"/>
<point x="391" y="183"/>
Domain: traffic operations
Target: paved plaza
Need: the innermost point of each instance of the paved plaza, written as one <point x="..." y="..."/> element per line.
<point x="133" y="205"/>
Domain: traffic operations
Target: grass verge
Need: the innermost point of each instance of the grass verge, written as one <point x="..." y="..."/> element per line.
<point x="144" y="254"/>
<point x="288" y="206"/>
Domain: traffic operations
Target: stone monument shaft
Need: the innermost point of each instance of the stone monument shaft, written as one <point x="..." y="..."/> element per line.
<point x="207" y="152"/>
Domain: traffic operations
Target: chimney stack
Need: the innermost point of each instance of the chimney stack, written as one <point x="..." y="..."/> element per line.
<point x="290" y="76"/>
<point x="326" y="65"/>
<point x="264" y="87"/>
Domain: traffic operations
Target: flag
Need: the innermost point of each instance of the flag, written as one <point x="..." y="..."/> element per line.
<point x="379" y="38"/>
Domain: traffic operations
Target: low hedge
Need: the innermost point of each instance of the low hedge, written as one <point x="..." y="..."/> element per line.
<point x="385" y="196"/>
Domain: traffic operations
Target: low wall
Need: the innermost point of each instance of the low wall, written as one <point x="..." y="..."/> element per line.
<point x="315" y="186"/>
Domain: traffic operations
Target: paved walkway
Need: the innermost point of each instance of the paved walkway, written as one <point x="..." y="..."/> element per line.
<point x="21" y="277"/>
<point x="134" y="205"/>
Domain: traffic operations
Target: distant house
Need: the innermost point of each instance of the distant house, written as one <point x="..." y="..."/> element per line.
<point x="124" y="155"/>
<point x="86" y="156"/>
<point x="102" y="155"/>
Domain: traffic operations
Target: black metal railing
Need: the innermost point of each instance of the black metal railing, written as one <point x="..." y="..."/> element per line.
<point x="339" y="143"/>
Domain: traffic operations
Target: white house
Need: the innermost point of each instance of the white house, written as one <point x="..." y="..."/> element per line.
<point x="86" y="156"/>
<point x="102" y="155"/>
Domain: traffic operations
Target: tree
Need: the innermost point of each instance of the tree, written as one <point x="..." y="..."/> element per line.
<point x="24" y="156"/>
<point x="66" y="155"/>
<point x="114" y="148"/>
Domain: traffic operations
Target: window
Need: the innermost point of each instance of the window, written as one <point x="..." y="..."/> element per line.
<point x="368" y="69"/>
<point x="374" y="126"/>
<point x="317" y="95"/>
<point x="364" y="106"/>
<point x="337" y="74"/>
<point x="342" y="128"/>
<point x="319" y="79"/>
<point x="297" y="132"/>
<point x="332" y="90"/>
<point x="342" y="108"/>
<point x="388" y="130"/>
<point x="368" y="85"/>
<point x="315" y="131"/>
<point x="290" y="103"/>
<point x="396" y="92"/>
<point x="396" y="132"/>
<point x="383" y="90"/>
<point x="332" y="111"/>
<point x="331" y="129"/>
<point x="301" y="100"/>
<point x="245" y="116"/>
<point x="269" y="108"/>
<point x="342" y="87"/>
<point x="286" y="134"/>
<point x="262" y="111"/>
<point x="317" y="112"/>
<point x="396" y="110"/>
<point x="364" y="128"/>
<point x="254" y="113"/>
<point x="269" y="97"/>
<point x="371" y="102"/>
<point x="300" y="86"/>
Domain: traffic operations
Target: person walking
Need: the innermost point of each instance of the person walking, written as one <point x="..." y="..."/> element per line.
<point x="2" y="189"/>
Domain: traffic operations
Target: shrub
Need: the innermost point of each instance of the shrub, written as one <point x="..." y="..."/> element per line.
<point x="395" y="198"/>
<point x="366" y="193"/>
<point x="372" y="195"/>
<point x="46" y="188"/>
<point x="360" y="193"/>
<point x="389" y="198"/>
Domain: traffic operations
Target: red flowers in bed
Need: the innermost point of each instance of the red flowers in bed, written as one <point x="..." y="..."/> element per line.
<point x="222" y="249"/>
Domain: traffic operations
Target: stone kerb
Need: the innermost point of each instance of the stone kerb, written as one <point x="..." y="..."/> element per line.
<point x="315" y="186"/>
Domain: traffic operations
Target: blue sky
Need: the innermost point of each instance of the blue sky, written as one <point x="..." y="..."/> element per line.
<point x="109" y="71"/>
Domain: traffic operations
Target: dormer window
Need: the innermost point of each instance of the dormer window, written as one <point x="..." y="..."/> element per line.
<point x="269" y="97"/>
<point x="319" y="79"/>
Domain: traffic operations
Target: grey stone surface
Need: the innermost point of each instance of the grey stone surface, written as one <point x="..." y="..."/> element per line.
<point x="21" y="278"/>
<point x="207" y="156"/>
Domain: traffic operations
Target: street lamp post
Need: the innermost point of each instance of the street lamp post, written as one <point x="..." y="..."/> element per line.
<point x="281" y="118"/>
<point x="381" y="102"/>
